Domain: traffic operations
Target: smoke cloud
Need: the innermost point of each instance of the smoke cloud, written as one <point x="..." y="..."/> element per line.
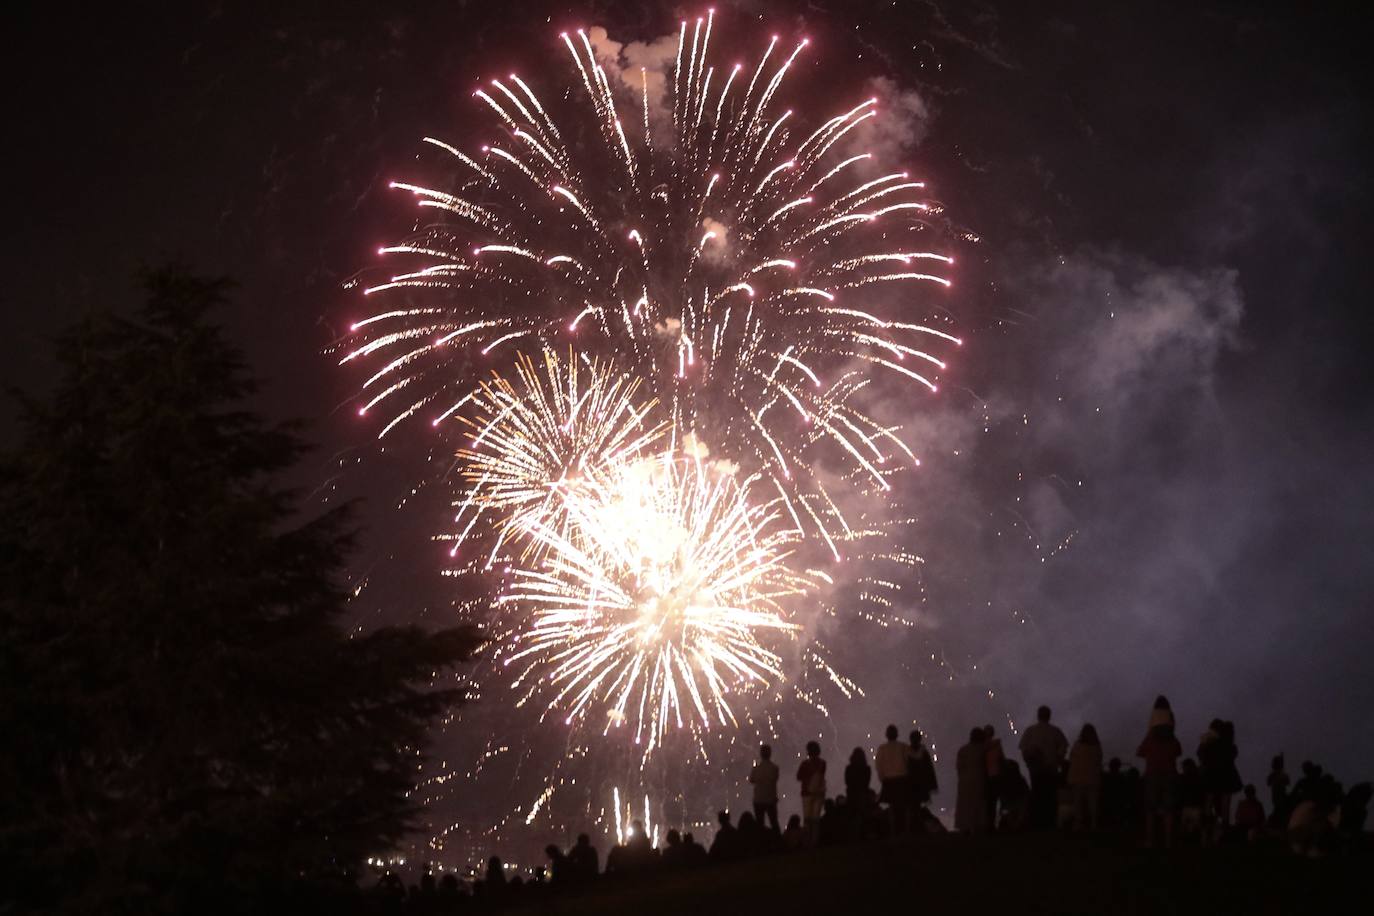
<point x="902" y="121"/>
<point x="1069" y="505"/>
<point x="639" y="66"/>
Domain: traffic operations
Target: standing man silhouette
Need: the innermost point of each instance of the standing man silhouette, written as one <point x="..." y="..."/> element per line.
<point x="764" y="778"/>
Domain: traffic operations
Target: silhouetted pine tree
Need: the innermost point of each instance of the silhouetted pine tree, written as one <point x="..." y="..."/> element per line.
<point x="186" y="725"/>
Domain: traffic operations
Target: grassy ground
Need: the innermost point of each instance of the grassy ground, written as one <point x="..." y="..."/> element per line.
<point x="1015" y="875"/>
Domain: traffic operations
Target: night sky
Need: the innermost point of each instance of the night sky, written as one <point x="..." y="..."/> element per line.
<point x="1151" y="469"/>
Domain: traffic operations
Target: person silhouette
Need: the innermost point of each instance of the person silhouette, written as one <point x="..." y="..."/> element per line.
<point x="696" y="853"/>
<point x="857" y="777"/>
<point x="996" y="761"/>
<point x="1161" y="751"/>
<point x="1085" y="778"/>
<point x="1114" y="801"/>
<point x="1309" y="826"/>
<point x="1249" y="814"/>
<point x="858" y="805"/>
<point x="558" y="864"/>
<point x="811" y="776"/>
<point x="751" y="835"/>
<point x="1216" y="755"/>
<point x="496" y="875"/>
<point x="1278" y="783"/>
<point x="639" y="848"/>
<point x="429" y="887"/>
<point x="674" y="851"/>
<point x="1355" y="811"/>
<point x="617" y="860"/>
<point x="1043" y="747"/>
<point x="970" y="804"/>
<point x="1305" y="789"/>
<point x="725" y="847"/>
<point x="1191" y="800"/>
<point x="583" y="862"/>
<point x="764" y="778"/>
<point x="391" y="888"/>
<point x="893" y="761"/>
<point x="1161" y="714"/>
<point x="921" y="770"/>
<point x="1015" y="799"/>
<point x="828" y="830"/>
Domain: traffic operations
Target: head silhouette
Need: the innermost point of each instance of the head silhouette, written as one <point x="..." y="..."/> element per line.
<point x="975" y="736"/>
<point x="1088" y="735"/>
<point x="813" y="749"/>
<point x="674" y="838"/>
<point x="1162" y="702"/>
<point x="1249" y="791"/>
<point x="858" y="756"/>
<point x="583" y="840"/>
<point x="723" y="817"/>
<point x="917" y="738"/>
<point x="765" y="751"/>
<point x="891" y="733"/>
<point x="1042" y="714"/>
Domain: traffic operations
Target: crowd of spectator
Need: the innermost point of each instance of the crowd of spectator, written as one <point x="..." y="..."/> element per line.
<point x="1064" y="786"/>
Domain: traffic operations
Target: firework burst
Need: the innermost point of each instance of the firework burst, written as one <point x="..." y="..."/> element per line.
<point x="649" y="321"/>
<point x="540" y="439"/>
<point x="703" y="244"/>
<point x="658" y="597"/>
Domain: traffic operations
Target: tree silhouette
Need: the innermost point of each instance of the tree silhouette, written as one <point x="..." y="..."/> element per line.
<point x="188" y="724"/>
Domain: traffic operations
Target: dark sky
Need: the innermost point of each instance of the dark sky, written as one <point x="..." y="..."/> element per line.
<point x="1167" y="358"/>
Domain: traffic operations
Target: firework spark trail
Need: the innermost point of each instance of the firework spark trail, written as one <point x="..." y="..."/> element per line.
<point x="727" y="265"/>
